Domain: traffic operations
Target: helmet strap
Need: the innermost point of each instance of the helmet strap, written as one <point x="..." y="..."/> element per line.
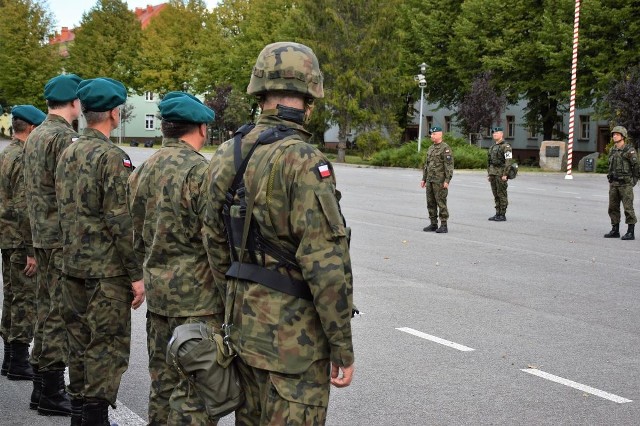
<point x="291" y="114"/>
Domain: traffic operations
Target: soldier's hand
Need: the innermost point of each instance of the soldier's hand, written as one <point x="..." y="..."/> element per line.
<point x="138" y="293"/>
<point x="344" y="380"/>
<point x="504" y="178"/>
<point x="489" y="178"/>
<point x="422" y="184"/>
<point x="30" y="269"/>
<point x="445" y="185"/>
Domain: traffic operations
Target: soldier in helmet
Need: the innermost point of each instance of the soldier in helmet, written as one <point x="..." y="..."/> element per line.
<point x="289" y="283"/>
<point x="499" y="161"/>
<point x="623" y="175"/>
<point x="438" y="170"/>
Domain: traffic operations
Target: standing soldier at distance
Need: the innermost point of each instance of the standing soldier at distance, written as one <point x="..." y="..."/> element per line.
<point x="18" y="261"/>
<point x="164" y="201"/>
<point x="438" y="170"/>
<point x="41" y="154"/>
<point x="500" y="158"/>
<point x="103" y="280"/>
<point x="622" y="175"/>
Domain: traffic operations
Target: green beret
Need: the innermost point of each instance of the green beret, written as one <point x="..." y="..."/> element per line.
<point x="28" y="113"/>
<point x="101" y="94"/>
<point x="62" y="88"/>
<point x="435" y="129"/>
<point x="180" y="106"/>
<point x="497" y="129"/>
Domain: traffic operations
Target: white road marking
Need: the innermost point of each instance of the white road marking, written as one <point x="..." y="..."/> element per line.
<point x="436" y="339"/>
<point x="567" y="192"/>
<point x="575" y="385"/>
<point x="535" y="189"/>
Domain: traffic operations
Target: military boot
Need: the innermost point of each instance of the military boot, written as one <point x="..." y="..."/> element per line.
<point x="443" y="229"/>
<point x="37" y="389"/>
<point x="54" y="400"/>
<point x="7" y="358"/>
<point x="431" y="227"/>
<point x="76" y="411"/>
<point x="95" y="412"/>
<point x="494" y="216"/>
<point x="628" y="236"/>
<point x="19" y="367"/>
<point x="500" y="218"/>
<point x="615" y="231"/>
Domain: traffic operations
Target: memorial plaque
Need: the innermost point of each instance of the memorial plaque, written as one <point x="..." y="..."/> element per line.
<point x="552" y="151"/>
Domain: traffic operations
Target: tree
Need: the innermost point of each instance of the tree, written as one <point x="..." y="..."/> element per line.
<point x="27" y="61"/>
<point x="622" y="102"/>
<point x="232" y="110"/>
<point x="106" y="43"/>
<point x="482" y="106"/>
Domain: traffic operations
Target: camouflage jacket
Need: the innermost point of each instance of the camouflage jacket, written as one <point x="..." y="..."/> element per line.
<point x="41" y="153"/>
<point x="97" y="233"/>
<point x="14" y="220"/>
<point x="499" y="159"/>
<point x="439" y="164"/>
<point x="164" y="202"/>
<point x="296" y="208"/>
<point x="623" y="165"/>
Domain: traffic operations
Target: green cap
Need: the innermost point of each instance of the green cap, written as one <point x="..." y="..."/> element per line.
<point x="435" y="129"/>
<point x="101" y="94"/>
<point x="181" y="106"/>
<point x="28" y="113"/>
<point x="497" y="129"/>
<point x="62" y="88"/>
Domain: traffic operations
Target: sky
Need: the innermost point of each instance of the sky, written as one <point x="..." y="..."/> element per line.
<point x="68" y="13"/>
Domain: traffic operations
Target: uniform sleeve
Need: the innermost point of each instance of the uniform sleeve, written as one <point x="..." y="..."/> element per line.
<point x="116" y="169"/>
<point x="137" y="212"/>
<point x="508" y="158"/>
<point x="424" y="169"/>
<point x="323" y="251"/>
<point x="20" y="205"/>
<point x="448" y="164"/>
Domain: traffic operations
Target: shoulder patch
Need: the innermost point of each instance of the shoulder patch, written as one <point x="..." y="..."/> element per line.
<point x="508" y="155"/>
<point x="127" y="163"/>
<point x="324" y="171"/>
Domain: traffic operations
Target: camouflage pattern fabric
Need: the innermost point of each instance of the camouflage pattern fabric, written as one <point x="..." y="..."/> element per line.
<point x="621" y="194"/>
<point x="500" y="157"/>
<point x="296" y="208"/>
<point x="7" y="296"/>
<point x="164" y="203"/>
<point x="499" y="189"/>
<point x="22" y="296"/>
<point x="623" y="166"/>
<point x="438" y="169"/>
<point x="98" y="314"/>
<point x="437" y="202"/>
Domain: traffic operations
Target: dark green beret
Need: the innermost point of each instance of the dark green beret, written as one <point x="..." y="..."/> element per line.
<point x="497" y="129"/>
<point x="28" y="113"/>
<point x="435" y="129"/>
<point x="180" y="106"/>
<point x="101" y="94"/>
<point x="62" y="88"/>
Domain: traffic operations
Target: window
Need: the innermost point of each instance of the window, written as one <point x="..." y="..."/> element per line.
<point x="149" y="122"/>
<point x="148" y="96"/>
<point x="532" y="132"/>
<point x="585" y="125"/>
<point x="429" y="123"/>
<point x="511" y="126"/>
<point x="447" y="123"/>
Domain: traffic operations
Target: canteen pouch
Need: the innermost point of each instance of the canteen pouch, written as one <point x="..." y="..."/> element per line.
<point x="200" y="355"/>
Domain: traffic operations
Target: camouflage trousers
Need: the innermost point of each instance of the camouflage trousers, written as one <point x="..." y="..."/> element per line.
<point x="50" y="343"/>
<point x="276" y="399"/>
<point x="21" y="298"/>
<point x="98" y="316"/>
<point x="437" y="200"/>
<point x="172" y="401"/>
<point x="499" y="189"/>
<point x="7" y="298"/>
<point x="621" y="194"/>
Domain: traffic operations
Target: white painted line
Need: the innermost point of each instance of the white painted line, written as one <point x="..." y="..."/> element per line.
<point x="567" y="192"/>
<point x="575" y="385"/>
<point x="123" y="416"/>
<point x="436" y="339"/>
<point x="535" y="189"/>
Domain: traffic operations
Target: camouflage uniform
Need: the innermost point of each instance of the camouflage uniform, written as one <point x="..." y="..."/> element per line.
<point x="41" y="153"/>
<point x="164" y="203"/>
<point x="623" y="165"/>
<point x="438" y="169"/>
<point x="285" y="343"/>
<point x="18" y="310"/>
<point x="99" y="262"/>
<point x="499" y="159"/>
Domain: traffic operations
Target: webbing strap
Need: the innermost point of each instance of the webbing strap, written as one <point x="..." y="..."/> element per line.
<point x="269" y="278"/>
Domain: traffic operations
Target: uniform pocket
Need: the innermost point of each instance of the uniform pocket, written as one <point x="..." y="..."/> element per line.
<point x="331" y="212"/>
<point x="117" y="289"/>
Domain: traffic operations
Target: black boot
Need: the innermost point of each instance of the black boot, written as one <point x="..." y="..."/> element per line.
<point x="500" y="218"/>
<point x="615" y="231"/>
<point x="54" y="400"/>
<point x="7" y="358"/>
<point x="37" y="389"/>
<point x="443" y="229"/>
<point x="19" y="367"/>
<point x="494" y="216"/>
<point x="628" y="236"/>
<point x="431" y="227"/>
<point x="76" y="411"/>
<point x="95" y="412"/>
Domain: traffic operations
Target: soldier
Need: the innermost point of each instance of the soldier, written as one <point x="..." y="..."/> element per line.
<point x="164" y="201"/>
<point x="18" y="261"/>
<point x="103" y="280"/>
<point x="438" y="170"/>
<point x="500" y="158"/>
<point x="622" y="175"/>
<point x="289" y="298"/>
<point x="41" y="153"/>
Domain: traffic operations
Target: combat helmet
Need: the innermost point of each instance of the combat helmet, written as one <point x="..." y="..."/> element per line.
<point x="287" y="66"/>
<point x="621" y="130"/>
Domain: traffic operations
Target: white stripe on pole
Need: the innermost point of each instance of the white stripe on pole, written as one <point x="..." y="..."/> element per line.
<point x="572" y="102"/>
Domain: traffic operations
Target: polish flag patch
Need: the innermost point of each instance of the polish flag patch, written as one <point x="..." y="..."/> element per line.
<point x="324" y="170"/>
<point x="126" y="162"/>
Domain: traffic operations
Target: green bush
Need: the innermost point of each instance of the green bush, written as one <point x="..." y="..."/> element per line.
<point x="602" y="164"/>
<point x="369" y="143"/>
<point x="406" y="155"/>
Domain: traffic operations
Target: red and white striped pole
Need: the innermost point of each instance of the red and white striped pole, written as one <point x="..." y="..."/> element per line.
<point x="572" y="102"/>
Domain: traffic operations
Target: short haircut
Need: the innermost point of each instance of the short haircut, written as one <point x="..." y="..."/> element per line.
<point x="177" y="129"/>
<point x="58" y="104"/>
<point x="95" y="117"/>
<point x="19" y="125"/>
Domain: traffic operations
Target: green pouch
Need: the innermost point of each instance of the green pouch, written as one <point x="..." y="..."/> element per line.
<point x="200" y="355"/>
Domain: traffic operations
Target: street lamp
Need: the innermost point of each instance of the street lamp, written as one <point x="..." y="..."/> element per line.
<point x="421" y="79"/>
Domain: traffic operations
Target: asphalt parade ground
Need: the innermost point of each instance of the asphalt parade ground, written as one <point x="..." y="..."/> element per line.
<point x="532" y="321"/>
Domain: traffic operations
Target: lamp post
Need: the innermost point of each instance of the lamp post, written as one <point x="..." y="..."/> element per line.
<point x="422" y="83"/>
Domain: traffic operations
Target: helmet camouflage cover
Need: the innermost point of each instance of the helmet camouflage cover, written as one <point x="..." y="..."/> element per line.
<point x="621" y="130"/>
<point x="289" y="67"/>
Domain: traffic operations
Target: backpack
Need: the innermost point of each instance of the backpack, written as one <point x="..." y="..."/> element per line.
<point x="513" y="171"/>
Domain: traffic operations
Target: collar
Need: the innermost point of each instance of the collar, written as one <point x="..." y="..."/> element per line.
<point x="176" y="143"/>
<point x="95" y="134"/>
<point x="269" y="117"/>
<point x="58" y="119"/>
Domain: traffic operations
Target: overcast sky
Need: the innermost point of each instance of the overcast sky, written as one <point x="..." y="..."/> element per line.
<point x="68" y="13"/>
